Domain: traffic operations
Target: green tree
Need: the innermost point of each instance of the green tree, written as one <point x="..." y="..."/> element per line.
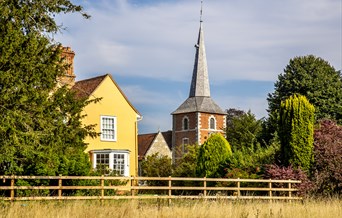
<point x="156" y="165"/>
<point x="40" y="126"/>
<point x="186" y="166"/>
<point x="242" y="130"/>
<point x="212" y="154"/>
<point x="296" y="126"/>
<point x="314" y="78"/>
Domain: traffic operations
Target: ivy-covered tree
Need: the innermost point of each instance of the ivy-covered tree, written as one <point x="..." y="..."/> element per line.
<point x="296" y="125"/>
<point x="242" y="130"/>
<point x="313" y="78"/>
<point x="40" y="126"/>
<point x="212" y="154"/>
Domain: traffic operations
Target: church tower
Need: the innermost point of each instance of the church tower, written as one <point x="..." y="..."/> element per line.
<point x="198" y="116"/>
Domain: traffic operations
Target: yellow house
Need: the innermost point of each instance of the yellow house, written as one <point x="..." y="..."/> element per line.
<point x="117" y="122"/>
<point x="115" y="118"/>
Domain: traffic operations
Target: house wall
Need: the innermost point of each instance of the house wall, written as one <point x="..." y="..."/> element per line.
<point x="160" y="146"/>
<point x="113" y="103"/>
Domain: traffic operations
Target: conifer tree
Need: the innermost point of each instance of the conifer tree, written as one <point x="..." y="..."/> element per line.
<point x="212" y="154"/>
<point x="40" y="127"/>
<point x="296" y="125"/>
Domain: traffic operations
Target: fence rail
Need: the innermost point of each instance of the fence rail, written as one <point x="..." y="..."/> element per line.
<point x="149" y="188"/>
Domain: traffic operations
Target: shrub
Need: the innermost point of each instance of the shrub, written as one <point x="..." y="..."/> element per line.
<point x="284" y="173"/>
<point x="328" y="158"/>
<point x="213" y="153"/>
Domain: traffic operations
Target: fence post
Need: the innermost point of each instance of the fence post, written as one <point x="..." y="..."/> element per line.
<point x="238" y="188"/>
<point x="102" y="188"/>
<point x="270" y="189"/>
<point x="12" y="188"/>
<point x="170" y="190"/>
<point x="205" y="188"/>
<point x="60" y="187"/>
<point x="132" y="186"/>
<point x="289" y="187"/>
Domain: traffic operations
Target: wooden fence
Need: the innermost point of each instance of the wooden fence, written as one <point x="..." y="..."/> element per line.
<point x="146" y="188"/>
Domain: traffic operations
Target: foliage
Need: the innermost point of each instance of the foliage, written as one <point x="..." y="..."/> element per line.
<point x="314" y="78"/>
<point x="213" y="153"/>
<point x="285" y="173"/>
<point x="249" y="164"/>
<point x="296" y="131"/>
<point x="242" y="130"/>
<point x="328" y="158"/>
<point x="186" y="166"/>
<point x="40" y="126"/>
<point x="156" y="165"/>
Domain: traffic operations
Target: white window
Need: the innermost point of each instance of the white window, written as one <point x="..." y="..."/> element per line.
<point x="212" y="123"/>
<point x="116" y="161"/>
<point x="108" y="128"/>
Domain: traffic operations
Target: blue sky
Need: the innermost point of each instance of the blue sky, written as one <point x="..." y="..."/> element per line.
<point x="148" y="48"/>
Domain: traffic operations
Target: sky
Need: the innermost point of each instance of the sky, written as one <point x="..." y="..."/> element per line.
<point x="148" y="48"/>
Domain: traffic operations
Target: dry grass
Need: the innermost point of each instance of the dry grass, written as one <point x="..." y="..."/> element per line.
<point x="189" y="208"/>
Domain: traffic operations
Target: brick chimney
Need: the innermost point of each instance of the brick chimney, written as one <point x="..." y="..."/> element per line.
<point x="69" y="76"/>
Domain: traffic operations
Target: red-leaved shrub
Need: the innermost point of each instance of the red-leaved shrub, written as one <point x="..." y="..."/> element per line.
<point x="327" y="172"/>
<point x="284" y="173"/>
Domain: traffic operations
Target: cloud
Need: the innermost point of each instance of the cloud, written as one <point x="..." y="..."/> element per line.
<point x="149" y="45"/>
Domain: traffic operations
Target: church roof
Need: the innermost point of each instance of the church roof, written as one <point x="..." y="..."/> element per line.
<point x="199" y="104"/>
<point x="199" y="97"/>
<point x="200" y="79"/>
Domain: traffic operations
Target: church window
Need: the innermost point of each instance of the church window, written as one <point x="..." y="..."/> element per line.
<point x="212" y="123"/>
<point x="185" y="142"/>
<point x="185" y="123"/>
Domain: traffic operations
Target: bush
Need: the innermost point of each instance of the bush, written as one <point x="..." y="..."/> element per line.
<point x="213" y="153"/>
<point x="327" y="173"/>
<point x="284" y="173"/>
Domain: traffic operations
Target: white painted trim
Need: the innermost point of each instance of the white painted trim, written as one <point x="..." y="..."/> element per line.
<point x="111" y="158"/>
<point x="115" y="128"/>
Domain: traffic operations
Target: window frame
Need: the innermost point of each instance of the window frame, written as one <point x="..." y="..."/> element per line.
<point x="184" y="144"/>
<point x="185" y="127"/>
<point x="102" y="129"/>
<point x="214" y="122"/>
<point x="112" y="153"/>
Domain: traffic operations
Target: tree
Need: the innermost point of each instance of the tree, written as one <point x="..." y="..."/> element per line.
<point x="296" y="122"/>
<point x="327" y="173"/>
<point x="242" y="130"/>
<point x="156" y="165"/>
<point x="40" y="126"/>
<point x="213" y="153"/>
<point x="314" y="78"/>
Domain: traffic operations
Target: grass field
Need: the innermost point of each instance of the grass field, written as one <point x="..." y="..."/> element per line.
<point x="188" y="208"/>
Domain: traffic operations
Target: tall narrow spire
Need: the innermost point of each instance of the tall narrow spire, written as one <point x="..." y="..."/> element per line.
<point x="200" y="78"/>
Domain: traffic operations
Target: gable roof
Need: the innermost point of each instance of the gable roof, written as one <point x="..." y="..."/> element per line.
<point x="85" y="88"/>
<point x="145" y="141"/>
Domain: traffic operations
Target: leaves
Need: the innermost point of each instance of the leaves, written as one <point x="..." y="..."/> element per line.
<point x="40" y="125"/>
<point x="214" y="152"/>
<point x="296" y="120"/>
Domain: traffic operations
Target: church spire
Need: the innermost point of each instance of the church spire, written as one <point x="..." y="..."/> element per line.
<point x="200" y="80"/>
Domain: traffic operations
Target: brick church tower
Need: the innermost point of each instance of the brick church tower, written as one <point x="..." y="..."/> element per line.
<point x="198" y="116"/>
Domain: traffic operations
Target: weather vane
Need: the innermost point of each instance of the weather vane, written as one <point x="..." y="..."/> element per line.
<point x="201" y="11"/>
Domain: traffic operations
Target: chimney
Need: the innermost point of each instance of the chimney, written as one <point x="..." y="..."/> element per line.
<point x="69" y="76"/>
